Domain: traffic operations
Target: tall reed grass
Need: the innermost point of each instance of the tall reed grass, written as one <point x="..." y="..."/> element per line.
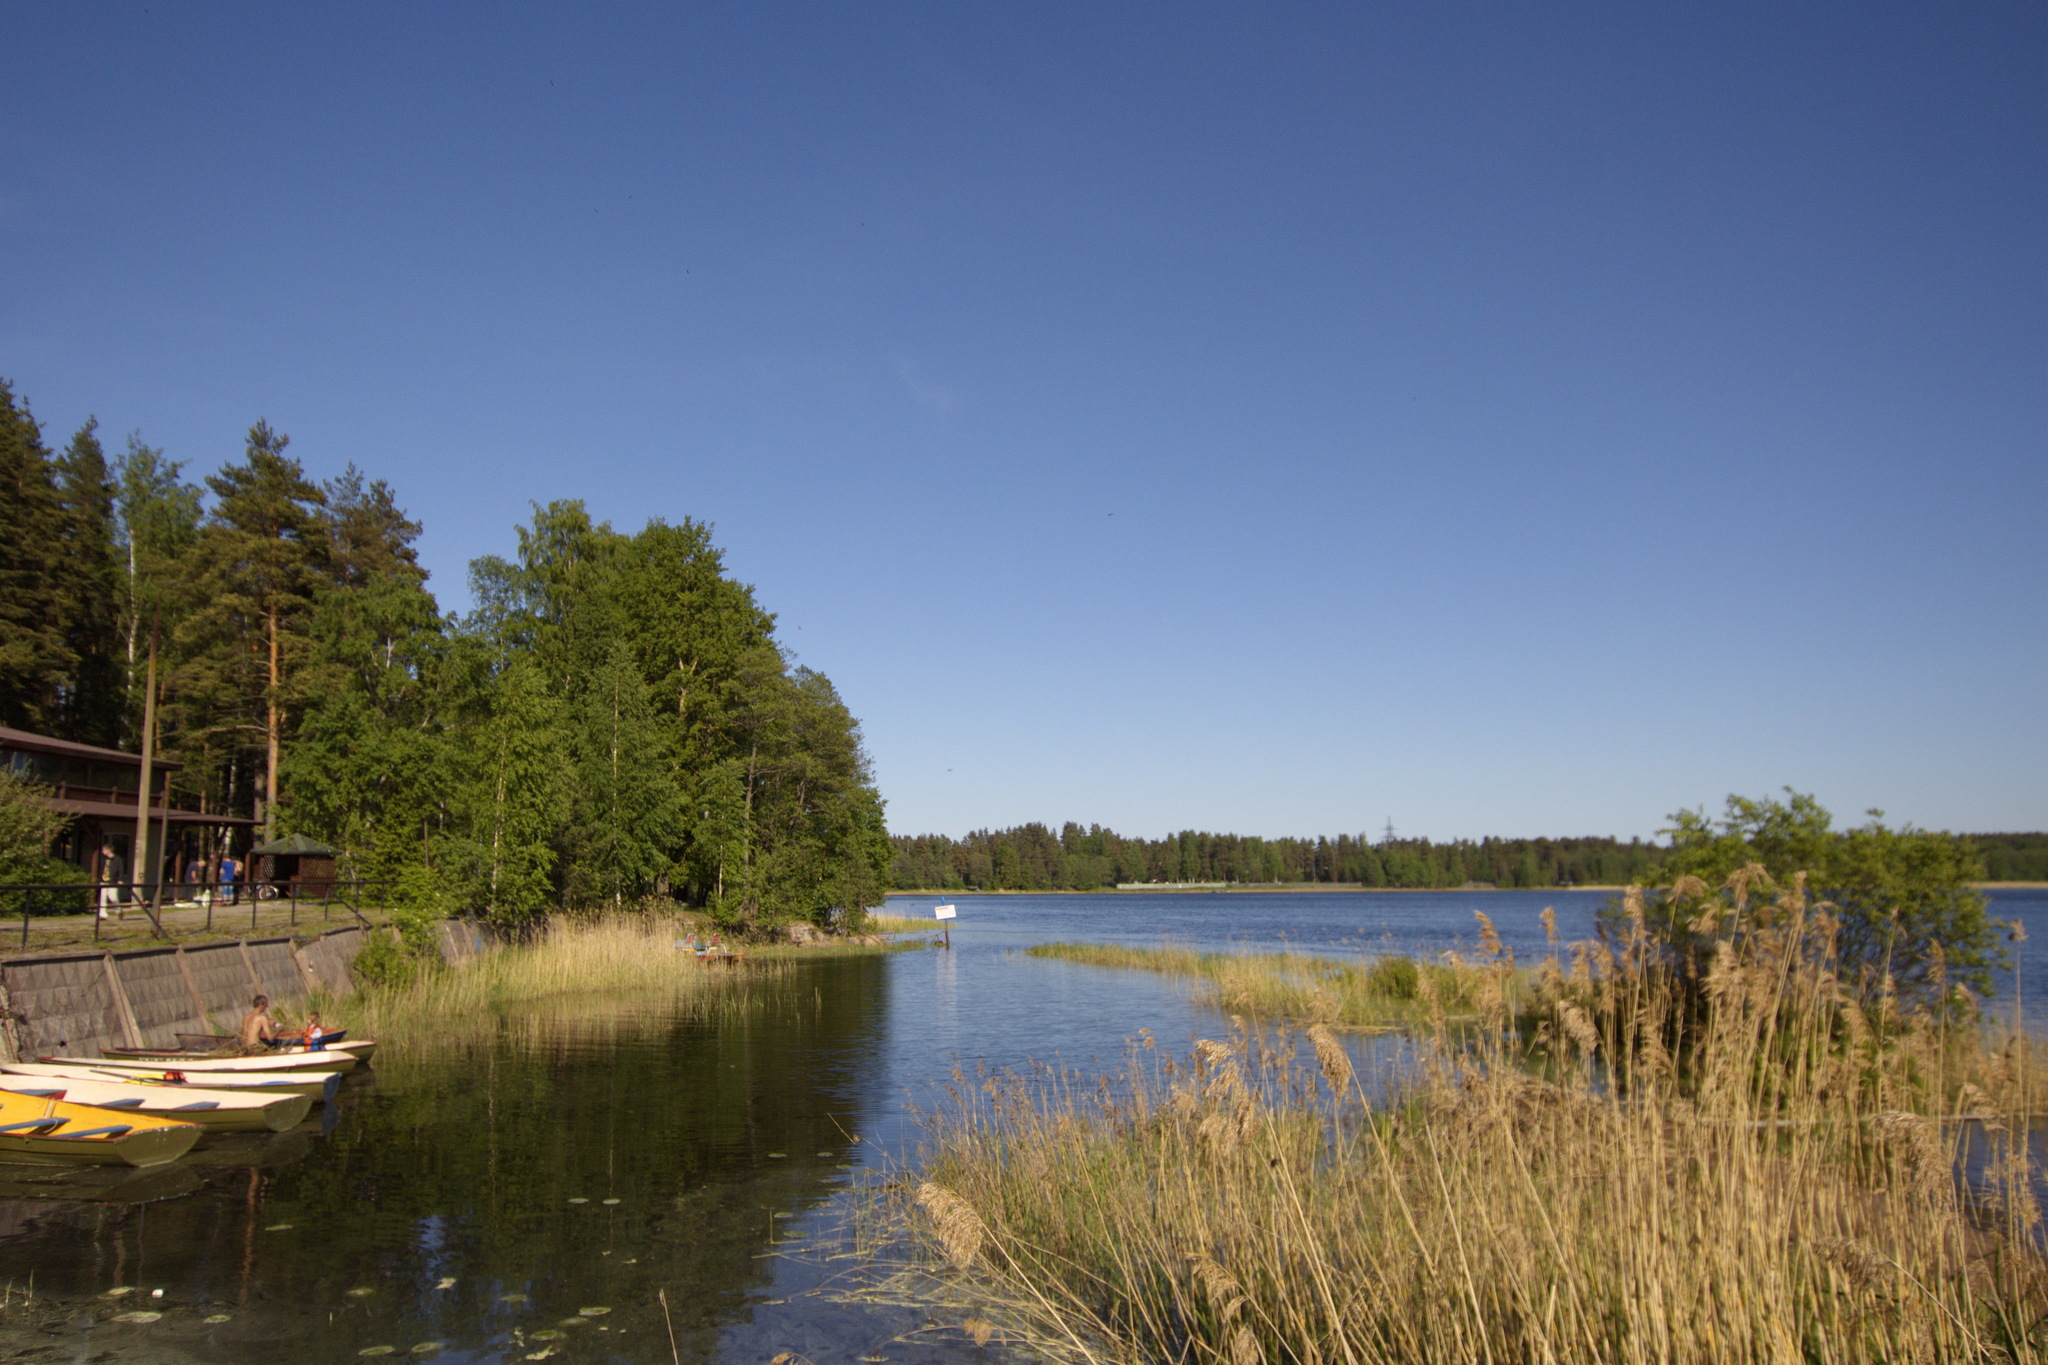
<point x="572" y="969"/>
<point x="1757" y="1164"/>
<point x="1359" y="993"/>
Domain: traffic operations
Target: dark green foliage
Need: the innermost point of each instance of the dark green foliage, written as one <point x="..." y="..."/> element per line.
<point x="1905" y="899"/>
<point x="2013" y="857"/>
<point x="615" y="722"/>
<point x="1032" y="858"/>
<point x="35" y="655"/>
<point x="664" y="745"/>
<point x="89" y="587"/>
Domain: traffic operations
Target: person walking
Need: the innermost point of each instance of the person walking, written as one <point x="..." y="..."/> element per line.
<point x="110" y="875"/>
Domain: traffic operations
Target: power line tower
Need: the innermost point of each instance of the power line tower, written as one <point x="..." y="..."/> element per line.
<point x="1390" y="832"/>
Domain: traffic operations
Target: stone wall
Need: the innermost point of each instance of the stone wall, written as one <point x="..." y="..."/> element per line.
<point x="75" y="1004"/>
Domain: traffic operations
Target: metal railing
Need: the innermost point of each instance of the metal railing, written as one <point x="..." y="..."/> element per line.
<point x="173" y="908"/>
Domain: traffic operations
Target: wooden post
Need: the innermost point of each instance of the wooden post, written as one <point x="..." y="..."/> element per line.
<point x="249" y="965"/>
<point x="192" y="988"/>
<point x="123" y="1011"/>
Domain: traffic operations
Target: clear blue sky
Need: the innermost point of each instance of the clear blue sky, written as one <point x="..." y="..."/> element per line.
<point x="1504" y="419"/>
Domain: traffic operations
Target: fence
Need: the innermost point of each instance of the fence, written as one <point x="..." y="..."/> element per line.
<point x="66" y="910"/>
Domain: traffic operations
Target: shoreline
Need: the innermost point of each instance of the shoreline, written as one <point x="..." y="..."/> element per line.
<point x="1348" y="888"/>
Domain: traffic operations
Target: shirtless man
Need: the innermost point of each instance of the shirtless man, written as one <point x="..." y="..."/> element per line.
<point x="257" y="1025"/>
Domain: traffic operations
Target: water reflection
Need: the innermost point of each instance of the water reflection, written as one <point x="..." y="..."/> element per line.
<point x="487" y="1195"/>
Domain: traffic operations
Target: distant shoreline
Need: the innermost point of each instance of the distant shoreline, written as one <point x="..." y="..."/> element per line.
<point x="1297" y="887"/>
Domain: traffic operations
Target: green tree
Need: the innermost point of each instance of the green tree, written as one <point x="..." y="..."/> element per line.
<point x="366" y="770"/>
<point x="627" y="820"/>
<point x="94" y="701"/>
<point x="36" y="658"/>
<point x="1905" y="897"/>
<point x="263" y="554"/>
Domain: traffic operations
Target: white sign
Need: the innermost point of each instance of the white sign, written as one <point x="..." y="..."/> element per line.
<point x="945" y="912"/>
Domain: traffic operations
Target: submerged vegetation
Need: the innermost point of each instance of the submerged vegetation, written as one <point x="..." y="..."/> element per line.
<point x="1762" y="1169"/>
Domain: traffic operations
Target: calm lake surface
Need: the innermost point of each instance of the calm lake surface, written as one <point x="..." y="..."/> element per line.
<point x="484" y="1197"/>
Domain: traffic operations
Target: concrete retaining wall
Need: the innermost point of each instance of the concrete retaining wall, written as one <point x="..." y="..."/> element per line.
<point x="75" y="1004"/>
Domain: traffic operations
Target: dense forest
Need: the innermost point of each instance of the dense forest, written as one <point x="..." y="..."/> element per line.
<point x="613" y="721"/>
<point x="2014" y="857"/>
<point x="1033" y="858"/>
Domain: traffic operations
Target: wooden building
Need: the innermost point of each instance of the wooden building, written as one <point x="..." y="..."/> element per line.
<point x="100" y="790"/>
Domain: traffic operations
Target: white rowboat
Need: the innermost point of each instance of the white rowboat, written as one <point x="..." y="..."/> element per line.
<point x="247" y="1110"/>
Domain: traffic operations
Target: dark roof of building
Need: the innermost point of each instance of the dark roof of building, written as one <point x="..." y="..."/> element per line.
<point x="44" y="744"/>
<point x="124" y="811"/>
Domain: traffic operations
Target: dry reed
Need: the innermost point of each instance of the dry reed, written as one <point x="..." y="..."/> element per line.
<point x="576" y="973"/>
<point x="1626" y="1172"/>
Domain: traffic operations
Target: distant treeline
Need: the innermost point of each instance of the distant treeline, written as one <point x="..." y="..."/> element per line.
<point x="2013" y="857"/>
<point x="1032" y="858"/>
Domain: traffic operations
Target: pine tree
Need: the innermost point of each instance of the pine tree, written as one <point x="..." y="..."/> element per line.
<point x="94" y="703"/>
<point x="369" y="534"/>
<point x="263" y="553"/>
<point x="35" y="656"/>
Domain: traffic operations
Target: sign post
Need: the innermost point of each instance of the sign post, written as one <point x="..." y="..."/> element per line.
<point x="945" y="914"/>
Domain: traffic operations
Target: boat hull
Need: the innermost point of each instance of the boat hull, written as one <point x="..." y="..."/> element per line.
<point x="290" y="1062"/>
<point x="320" y="1086"/>
<point x="217" y="1111"/>
<point x="361" y="1050"/>
<point x="70" y="1134"/>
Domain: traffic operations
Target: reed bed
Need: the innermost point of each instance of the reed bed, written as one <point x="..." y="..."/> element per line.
<point x="899" y="924"/>
<point x="1754" y="1163"/>
<point x="1359" y="993"/>
<point x="607" y="966"/>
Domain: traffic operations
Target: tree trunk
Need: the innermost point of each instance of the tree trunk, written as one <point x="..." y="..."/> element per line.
<point x="148" y="759"/>
<point x="271" y="725"/>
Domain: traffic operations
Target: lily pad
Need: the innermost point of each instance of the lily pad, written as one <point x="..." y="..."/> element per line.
<point x="219" y="1317"/>
<point x="512" y="1298"/>
<point x="118" y="1291"/>
<point x="579" y="1201"/>
<point x="279" y="1227"/>
<point x="593" y="1312"/>
<point x="361" y="1291"/>
<point x="549" y="1334"/>
<point x="777" y="1156"/>
<point x="429" y="1348"/>
<point x="144" y="1316"/>
<point x="575" y="1322"/>
<point x="378" y="1351"/>
<point x="610" y="1202"/>
<point x="447" y="1282"/>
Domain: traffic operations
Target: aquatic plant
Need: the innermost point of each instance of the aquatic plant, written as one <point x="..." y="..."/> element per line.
<point x="1355" y="993"/>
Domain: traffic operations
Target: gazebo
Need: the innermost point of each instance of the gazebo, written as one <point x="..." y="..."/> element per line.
<point x="295" y="865"/>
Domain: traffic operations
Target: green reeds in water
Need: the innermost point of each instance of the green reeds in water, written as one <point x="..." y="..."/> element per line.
<point x="1360" y="993"/>
<point x="1624" y="1165"/>
<point x="576" y="975"/>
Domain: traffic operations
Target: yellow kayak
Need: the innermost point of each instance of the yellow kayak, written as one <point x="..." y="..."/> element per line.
<point x="45" y="1132"/>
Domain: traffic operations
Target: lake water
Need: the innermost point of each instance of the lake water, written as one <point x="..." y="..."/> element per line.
<point x="485" y="1197"/>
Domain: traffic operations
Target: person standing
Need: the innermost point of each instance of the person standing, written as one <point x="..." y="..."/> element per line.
<point x="229" y="870"/>
<point x="109" y="878"/>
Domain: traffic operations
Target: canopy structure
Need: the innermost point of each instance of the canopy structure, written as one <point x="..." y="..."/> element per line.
<point x="292" y="845"/>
